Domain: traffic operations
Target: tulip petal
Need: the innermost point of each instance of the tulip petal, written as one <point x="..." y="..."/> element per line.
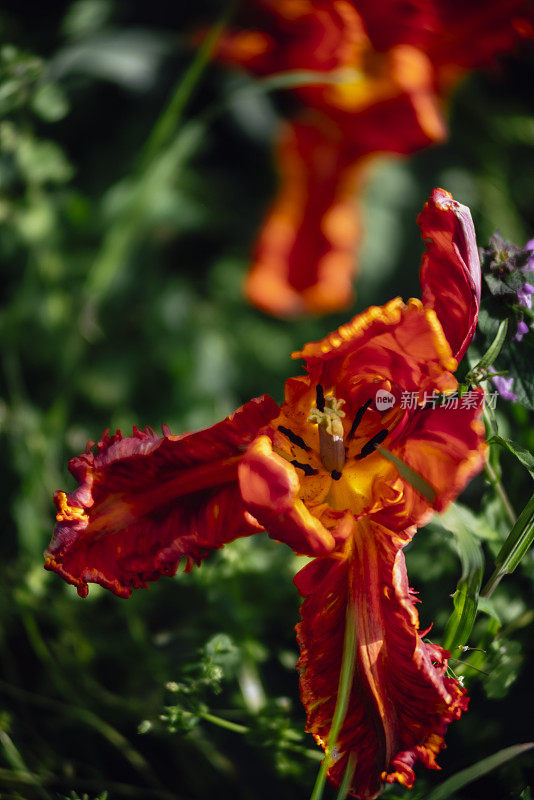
<point x="471" y="35"/>
<point x="304" y="259"/>
<point x="270" y="488"/>
<point x="450" y="272"/>
<point x="400" y="341"/>
<point x="283" y="36"/>
<point x="144" y="502"/>
<point x="446" y="447"/>
<point x="401" y="700"/>
<point x="390" y="23"/>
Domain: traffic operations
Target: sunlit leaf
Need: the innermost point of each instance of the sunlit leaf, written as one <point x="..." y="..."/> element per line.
<point x="465" y="598"/>
<point x="514" y="548"/>
<point x="459" y="515"/>
<point x="446" y="790"/>
<point x="521" y="453"/>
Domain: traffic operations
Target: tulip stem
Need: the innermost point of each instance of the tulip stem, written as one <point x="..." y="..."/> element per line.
<point x="346" y="676"/>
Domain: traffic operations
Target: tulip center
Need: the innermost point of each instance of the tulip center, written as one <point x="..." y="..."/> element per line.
<point x="328" y="417"/>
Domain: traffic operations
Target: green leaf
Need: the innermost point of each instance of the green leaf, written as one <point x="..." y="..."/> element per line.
<point x="503" y="662"/>
<point x="413" y="478"/>
<point x="458" y="515"/>
<point x="50" y="103"/>
<point x="494" y="349"/>
<point x="445" y="790"/>
<point x="520" y="364"/>
<point x="521" y="453"/>
<point x="486" y="606"/>
<point x="42" y="161"/>
<point x="514" y="548"/>
<point x="465" y="598"/>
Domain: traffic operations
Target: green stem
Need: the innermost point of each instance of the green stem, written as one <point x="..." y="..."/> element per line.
<point x="315" y="755"/>
<point x="168" y="122"/>
<point x="501" y="491"/>
<point x="496" y="481"/>
<point x="224" y="723"/>
<point x="15" y="759"/>
<point x="347" y="777"/>
<point x="164" y="154"/>
<point x="346" y="676"/>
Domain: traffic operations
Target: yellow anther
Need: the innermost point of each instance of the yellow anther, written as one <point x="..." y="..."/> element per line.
<point x="68" y="513"/>
<point x="330" y="418"/>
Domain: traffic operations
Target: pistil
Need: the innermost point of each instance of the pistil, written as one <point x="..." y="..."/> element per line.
<point x="330" y="425"/>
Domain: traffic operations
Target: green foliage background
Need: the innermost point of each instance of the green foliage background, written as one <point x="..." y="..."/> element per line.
<point x="123" y="243"/>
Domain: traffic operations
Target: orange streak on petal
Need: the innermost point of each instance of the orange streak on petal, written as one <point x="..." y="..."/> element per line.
<point x="144" y="502"/>
<point x="116" y="512"/>
<point x="270" y="487"/>
<point x="346" y="336"/>
<point x="401" y="700"/>
<point x="304" y="258"/>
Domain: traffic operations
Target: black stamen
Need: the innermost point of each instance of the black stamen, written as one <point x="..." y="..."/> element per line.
<point x="373" y="443"/>
<point x="358" y="418"/>
<point x="293" y="437"/>
<point x="306" y="468"/>
<point x="335" y="474"/>
<point x="319" y="392"/>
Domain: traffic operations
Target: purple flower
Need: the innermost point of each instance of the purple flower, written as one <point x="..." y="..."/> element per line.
<point x="522" y="328"/>
<point x="504" y="385"/>
<point x="524" y="294"/>
<point x="530" y="263"/>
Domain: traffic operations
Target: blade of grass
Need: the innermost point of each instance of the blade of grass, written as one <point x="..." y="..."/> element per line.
<point x="413" y="478"/>
<point x="167" y="149"/>
<point x="123" y="234"/>
<point x="85" y="715"/>
<point x="14" y="758"/>
<point x="514" y="548"/>
<point x="446" y="790"/>
<point x="294" y="79"/>
<point x="169" y="120"/>
<point x="465" y="597"/>
<point x="347" y="777"/>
